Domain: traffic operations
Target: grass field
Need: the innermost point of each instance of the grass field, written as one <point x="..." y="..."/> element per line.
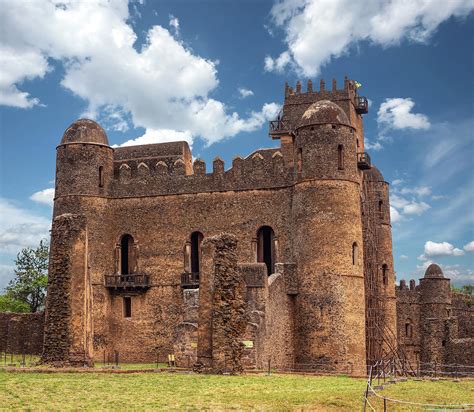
<point x="165" y="391"/>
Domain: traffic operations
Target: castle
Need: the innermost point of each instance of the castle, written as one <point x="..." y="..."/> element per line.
<point x="285" y="257"/>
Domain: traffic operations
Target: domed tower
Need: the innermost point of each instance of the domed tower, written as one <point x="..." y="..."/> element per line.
<point x="327" y="242"/>
<point x="84" y="165"/>
<point x="378" y="263"/>
<point x="435" y="309"/>
<point x="84" y="171"/>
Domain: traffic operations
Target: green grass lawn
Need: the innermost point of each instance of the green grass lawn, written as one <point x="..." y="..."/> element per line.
<point x="176" y="391"/>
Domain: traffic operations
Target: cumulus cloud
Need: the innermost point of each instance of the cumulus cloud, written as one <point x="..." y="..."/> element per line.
<point x="408" y="206"/>
<point x="243" y="92"/>
<point x="394" y="215"/>
<point x="20" y="228"/>
<point x="158" y="85"/>
<point x="434" y="249"/>
<point x="368" y="145"/>
<point x="469" y="247"/>
<point x="159" y="136"/>
<point x="45" y="196"/>
<point x="418" y="190"/>
<point x="396" y="113"/>
<point x="317" y="31"/>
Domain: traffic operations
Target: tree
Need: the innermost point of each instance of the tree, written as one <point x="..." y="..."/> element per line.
<point x="8" y="304"/>
<point x="468" y="289"/>
<point x="31" y="277"/>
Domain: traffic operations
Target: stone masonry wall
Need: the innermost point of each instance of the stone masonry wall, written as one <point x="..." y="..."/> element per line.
<point x="68" y="331"/>
<point x="21" y="333"/>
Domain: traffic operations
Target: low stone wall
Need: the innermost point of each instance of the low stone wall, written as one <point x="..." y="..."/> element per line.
<point x="21" y="333"/>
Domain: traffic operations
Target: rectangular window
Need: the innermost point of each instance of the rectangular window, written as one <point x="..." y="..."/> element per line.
<point x="127" y="307"/>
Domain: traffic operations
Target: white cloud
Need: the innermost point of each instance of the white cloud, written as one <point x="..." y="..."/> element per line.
<point x="396" y="113"/>
<point x="159" y="85"/>
<point x="159" y="136"/>
<point x="404" y="257"/>
<point x="45" y="196"/>
<point x="174" y="23"/>
<point x="397" y="182"/>
<point x="317" y="31"/>
<point x="243" y="92"/>
<point x="20" y="228"/>
<point x="434" y="249"/>
<point x="469" y="247"/>
<point x="368" y="145"/>
<point x="418" y="190"/>
<point x="394" y="215"/>
<point x="6" y="274"/>
<point x="408" y="206"/>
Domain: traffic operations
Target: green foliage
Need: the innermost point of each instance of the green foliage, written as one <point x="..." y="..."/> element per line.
<point x="9" y="304"/>
<point x="468" y="289"/>
<point x="31" y="277"/>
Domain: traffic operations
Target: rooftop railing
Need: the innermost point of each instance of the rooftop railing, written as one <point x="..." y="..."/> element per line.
<point x="363" y="161"/>
<point x="361" y="105"/>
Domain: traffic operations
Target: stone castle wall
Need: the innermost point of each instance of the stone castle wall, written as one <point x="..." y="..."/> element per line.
<point x="21" y="333"/>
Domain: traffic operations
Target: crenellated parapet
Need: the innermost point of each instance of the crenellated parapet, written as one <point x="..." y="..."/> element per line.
<point x="263" y="168"/>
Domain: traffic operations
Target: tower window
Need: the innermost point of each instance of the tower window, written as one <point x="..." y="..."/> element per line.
<point x="340" y="157"/>
<point x="101" y="176"/>
<point x="196" y="240"/>
<point x="381" y="209"/>
<point x="385" y="275"/>
<point x="266" y="248"/>
<point x="355" y="252"/>
<point x="127" y="263"/>
<point x="300" y="161"/>
<point x="127" y="307"/>
<point x="408" y="329"/>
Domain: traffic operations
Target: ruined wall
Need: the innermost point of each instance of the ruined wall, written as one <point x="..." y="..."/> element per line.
<point x="434" y="324"/>
<point x="68" y="323"/>
<point x="463" y="309"/>
<point x="21" y="333"/>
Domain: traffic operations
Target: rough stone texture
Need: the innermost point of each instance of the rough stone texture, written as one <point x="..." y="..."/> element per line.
<point x="435" y="325"/>
<point x="21" y="333"/>
<point x="311" y="312"/>
<point x="68" y="328"/>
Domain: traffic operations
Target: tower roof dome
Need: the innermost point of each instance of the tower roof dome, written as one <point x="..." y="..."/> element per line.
<point x="434" y="271"/>
<point x="373" y="175"/>
<point x="321" y="112"/>
<point x="85" y="131"/>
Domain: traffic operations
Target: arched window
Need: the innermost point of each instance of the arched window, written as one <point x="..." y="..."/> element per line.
<point x="340" y="157"/>
<point x="408" y="329"/>
<point x="266" y="248"/>
<point x="127" y="258"/>
<point x="355" y="253"/>
<point x="300" y="161"/>
<point x="385" y="274"/>
<point x="381" y="209"/>
<point x="196" y="240"/>
<point x="101" y="176"/>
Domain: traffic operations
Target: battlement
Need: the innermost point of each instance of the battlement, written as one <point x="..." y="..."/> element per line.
<point x="348" y="87"/>
<point x="403" y="285"/>
<point x="155" y="175"/>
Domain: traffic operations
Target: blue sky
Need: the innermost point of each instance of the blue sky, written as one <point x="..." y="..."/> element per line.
<point x="213" y="73"/>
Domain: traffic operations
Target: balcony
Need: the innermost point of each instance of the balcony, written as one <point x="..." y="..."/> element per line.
<point x="361" y="105"/>
<point x="190" y="280"/>
<point x="136" y="282"/>
<point x="279" y="128"/>
<point x="363" y="161"/>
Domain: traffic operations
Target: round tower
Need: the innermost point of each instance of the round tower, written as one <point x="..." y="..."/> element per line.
<point x="328" y="242"/>
<point x="380" y="274"/>
<point x="435" y="308"/>
<point x="84" y="165"/>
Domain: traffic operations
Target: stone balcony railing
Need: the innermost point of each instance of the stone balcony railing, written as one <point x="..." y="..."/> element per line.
<point x="137" y="282"/>
<point x="190" y="280"/>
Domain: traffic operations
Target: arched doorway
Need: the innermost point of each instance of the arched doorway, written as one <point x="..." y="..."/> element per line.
<point x="196" y="240"/>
